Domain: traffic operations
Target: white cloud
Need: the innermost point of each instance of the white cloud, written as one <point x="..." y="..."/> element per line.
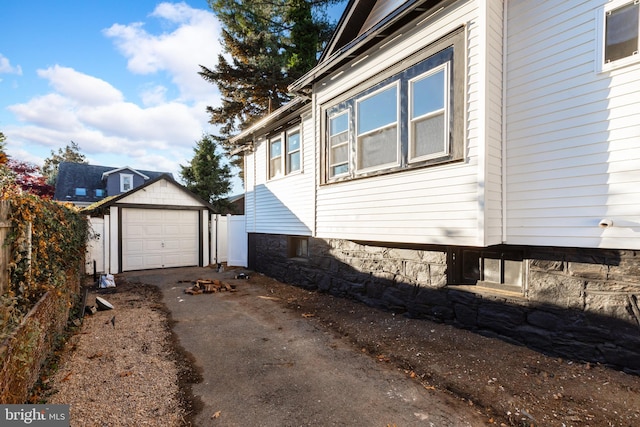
<point x="112" y="130"/>
<point x="7" y="68"/>
<point x="194" y="42"/>
<point x="80" y="87"/>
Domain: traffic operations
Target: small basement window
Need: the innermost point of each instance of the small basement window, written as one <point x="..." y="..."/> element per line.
<point x="298" y="247"/>
<point x="619" y="32"/>
<point x="500" y="268"/>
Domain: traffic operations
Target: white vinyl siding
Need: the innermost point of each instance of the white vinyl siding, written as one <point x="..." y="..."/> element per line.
<point x="572" y="132"/>
<point x="439" y="204"/>
<point x="284" y="205"/>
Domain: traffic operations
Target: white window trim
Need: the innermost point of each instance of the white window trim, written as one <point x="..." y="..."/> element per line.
<point x="270" y="176"/>
<point x="389" y="125"/>
<point x="447" y="104"/>
<point x="601" y="66"/>
<point x="122" y="182"/>
<point x="346" y="111"/>
<point x="297" y="129"/>
<point x="283" y="137"/>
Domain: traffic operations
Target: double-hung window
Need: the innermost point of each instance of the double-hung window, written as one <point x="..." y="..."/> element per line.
<point x="377" y="119"/>
<point x="404" y="118"/>
<point x="428" y="114"/>
<point x="293" y="151"/>
<point x="339" y="143"/>
<point x="619" y="32"/>
<point x="275" y="157"/>
<point x="285" y="153"/>
<point x="126" y="182"/>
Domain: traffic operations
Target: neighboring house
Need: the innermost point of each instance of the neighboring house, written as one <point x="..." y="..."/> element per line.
<point x="84" y="184"/>
<point x="158" y="224"/>
<point x="471" y="161"/>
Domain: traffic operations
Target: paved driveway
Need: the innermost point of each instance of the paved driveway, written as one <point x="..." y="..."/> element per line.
<point x="265" y="365"/>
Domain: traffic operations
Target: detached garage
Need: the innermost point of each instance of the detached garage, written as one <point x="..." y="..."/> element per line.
<point x="160" y="224"/>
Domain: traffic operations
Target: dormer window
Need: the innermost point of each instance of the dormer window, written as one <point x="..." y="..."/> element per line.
<point x="126" y="182"/>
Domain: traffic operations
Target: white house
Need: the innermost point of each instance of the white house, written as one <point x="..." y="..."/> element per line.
<point x="475" y="161"/>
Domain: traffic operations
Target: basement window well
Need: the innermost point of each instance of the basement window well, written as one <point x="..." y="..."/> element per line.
<point x="298" y="247"/>
<point x="497" y="268"/>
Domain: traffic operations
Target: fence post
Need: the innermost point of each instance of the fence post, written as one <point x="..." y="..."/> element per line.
<point x="5" y="251"/>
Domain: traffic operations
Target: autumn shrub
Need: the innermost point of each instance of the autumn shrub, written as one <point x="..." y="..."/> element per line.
<point x="48" y="244"/>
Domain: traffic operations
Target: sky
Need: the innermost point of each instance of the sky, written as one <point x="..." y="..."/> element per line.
<point x="117" y="77"/>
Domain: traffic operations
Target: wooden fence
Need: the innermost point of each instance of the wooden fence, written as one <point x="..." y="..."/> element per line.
<point x="5" y="252"/>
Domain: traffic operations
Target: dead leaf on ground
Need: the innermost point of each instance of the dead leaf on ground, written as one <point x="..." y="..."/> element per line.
<point x="126" y="374"/>
<point x="307" y="315"/>
<point x="216" y="415"/>
<point x="95" y="355"/>
<point x="67" y="377"/>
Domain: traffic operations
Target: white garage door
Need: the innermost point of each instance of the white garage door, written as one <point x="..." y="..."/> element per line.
<point x="158" y="238"/>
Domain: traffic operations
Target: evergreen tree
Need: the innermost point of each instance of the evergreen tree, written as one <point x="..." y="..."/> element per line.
<point x="207" y="176"/>
<point x="270" y="44"/>
<point x="71" y="153"/>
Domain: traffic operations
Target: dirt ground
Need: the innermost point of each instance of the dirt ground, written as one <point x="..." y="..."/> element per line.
<point x="511" y="385"/>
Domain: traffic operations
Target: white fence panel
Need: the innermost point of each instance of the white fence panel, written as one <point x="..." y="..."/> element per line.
<point x="237" y="241"/>
<point x="219" y="239"/>
<point x="95" y="247"/>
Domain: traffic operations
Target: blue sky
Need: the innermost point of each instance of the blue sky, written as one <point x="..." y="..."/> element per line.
<point x="118" y="77"/>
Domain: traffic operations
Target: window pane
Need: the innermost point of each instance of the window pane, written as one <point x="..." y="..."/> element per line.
<point x="293" y="162"/>
<point x="621" y="38"/>
<point x="513" y="272"/>
<point x="339" y="124"/>
<point x="491" y="270"/>
<point x="427" y="94"/>
<point x="276" y="149"/>
<point x="378" y="148"/>
<point x="293" y="142"/>
<point x="339" y="154"/>
<point x="340" y="169"/>
<point x="275" y="167"/>
<point x="378" y="110"/>
<point x="428" y="136"/>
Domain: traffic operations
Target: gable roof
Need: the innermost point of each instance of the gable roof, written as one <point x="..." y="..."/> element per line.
<point x="100" y="206"/>
<point x="363" y="24"/>
<point x="82" y="175"/>
<point x="105" y="174"/>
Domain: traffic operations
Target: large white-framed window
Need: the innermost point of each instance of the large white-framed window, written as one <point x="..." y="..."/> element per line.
<point x="618" y="34"/>
<point x="126" y="182"/>
<point x="338" y="142"/>
<point x="402" y="119"/>
<point x="377" y="128"/>
<point x="293" y="148"/>
<point x="275" y="157"/>
<point x="429" y="114"/>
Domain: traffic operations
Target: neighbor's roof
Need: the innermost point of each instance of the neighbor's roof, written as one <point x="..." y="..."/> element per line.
<point x="82" y="175"/>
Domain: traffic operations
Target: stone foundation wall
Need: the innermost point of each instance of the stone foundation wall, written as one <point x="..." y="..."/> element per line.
<point x="581" y="304"/>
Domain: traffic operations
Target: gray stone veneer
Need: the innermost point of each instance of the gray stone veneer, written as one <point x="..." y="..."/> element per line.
<point x="582" y="304"/>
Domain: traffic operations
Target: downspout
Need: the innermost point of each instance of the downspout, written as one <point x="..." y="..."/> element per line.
<point x="504" y="119"/>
